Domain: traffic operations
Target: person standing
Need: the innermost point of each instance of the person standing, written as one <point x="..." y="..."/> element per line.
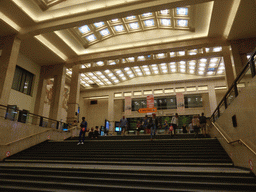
<point x="175" y="122"/>
<point x="145" y="123"/>
<point x="154" y="124"/>
<point x="123" y="124"/>
<point x="203" y="124"/>
<point x="166" y="127"/>
<point x="83" y="127"/>
<point x="196" y="125"/>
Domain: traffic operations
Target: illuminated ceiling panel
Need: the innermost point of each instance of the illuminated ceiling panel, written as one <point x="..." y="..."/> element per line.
<point x="203" y="66"/>
<point x="172" y="19"/>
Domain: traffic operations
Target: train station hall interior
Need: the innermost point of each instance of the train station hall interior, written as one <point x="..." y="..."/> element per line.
<point x="103" y="59"/>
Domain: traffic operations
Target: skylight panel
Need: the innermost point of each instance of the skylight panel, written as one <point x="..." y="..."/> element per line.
<point x="100" y="63"/>
<point x="192" y="52"/>
<point x="165" y="12"/>
<point x="131" y="17"/>
<point x="182" y="11"/>
<point x="217" y="49"/>
<point x="114" y="20"/>
<point x="181" y="53"/>
<point x="182" y="70"/>
<point x="212" y="65"/>
<point x="210" y="73"/>
<point x="191" y="71"/>
<point x="84" y="29"/>
<point x="131" y="59"/>
<point x="91" y="38"/>
<point x="214" y="60"/>
<point x="141" y="58"/>
<point x="99" y="24"/>
<point x="111" y="62"/>
<point x="105" y="32"/>
<point x="149" y="23"/>
<point x="119" y="28"/>
<point x="200" y="72"/>
<point x="160" y="55"/>
<point x="165" y="22"/>
<point x="182" y="23"/>
<point x="172" y="54"/>
<point x="134" y="25"/>
<point x="203" y="60"/>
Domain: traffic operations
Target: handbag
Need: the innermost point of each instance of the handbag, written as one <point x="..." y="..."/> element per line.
<point x="171" y="128"/>
<point x="83" y="129"/>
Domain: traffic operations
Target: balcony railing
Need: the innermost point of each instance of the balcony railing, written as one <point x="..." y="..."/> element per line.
<point x="242" y="81"/>
<point x="12" y="113"/>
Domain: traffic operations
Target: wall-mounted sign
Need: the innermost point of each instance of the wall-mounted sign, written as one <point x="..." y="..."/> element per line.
<point x="251" y="164"/>
<point x="8" y="153"/>
<point x="147" y="110"/>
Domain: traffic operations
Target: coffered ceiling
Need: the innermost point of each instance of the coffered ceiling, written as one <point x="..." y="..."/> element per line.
<point x="115" y="41"/>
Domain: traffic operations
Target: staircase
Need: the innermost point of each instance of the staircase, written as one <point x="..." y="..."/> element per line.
<point x="127" y="163"/>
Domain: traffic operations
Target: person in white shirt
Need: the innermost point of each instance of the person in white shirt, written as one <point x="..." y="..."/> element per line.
<point x="175" y="122"/>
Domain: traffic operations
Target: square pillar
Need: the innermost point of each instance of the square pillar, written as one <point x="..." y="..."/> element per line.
<point x="111" y="114"/>
<point x="58" y="90"/>
<point x="73" y="102"/>
<point x="8" y="61"/>
<point x="228" y="66"/>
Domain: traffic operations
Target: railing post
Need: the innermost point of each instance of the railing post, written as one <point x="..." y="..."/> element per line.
<point x="252" y="65"/>
<point x="41" y="121"/>
<point x="57" y="126"/>
<point x="225" y="103"/>
<point x="235" y="89"/>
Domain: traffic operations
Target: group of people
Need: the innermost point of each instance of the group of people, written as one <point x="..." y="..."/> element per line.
<point x="150" y="125"/>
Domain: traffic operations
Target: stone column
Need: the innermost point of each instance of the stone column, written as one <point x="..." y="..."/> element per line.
<point x="237" y="59"/>
<point x="111" y="114"/>
<point x="73" y="102"/>
<point x="228" y="66"/>
<point x="40" y="96"/>
<point x="8" y="61"/>
<point x="212" y="98"/>
<point x="58" y="91"/>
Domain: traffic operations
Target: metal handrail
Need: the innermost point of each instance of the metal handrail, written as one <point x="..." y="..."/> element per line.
<point x="25" y="137"/>
<point x="35" y="115"/>
<point x="234" y="141"/>
<point x="49" y="129"/>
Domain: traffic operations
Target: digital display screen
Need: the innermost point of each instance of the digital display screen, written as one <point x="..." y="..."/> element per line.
<point x="118" y="129"/>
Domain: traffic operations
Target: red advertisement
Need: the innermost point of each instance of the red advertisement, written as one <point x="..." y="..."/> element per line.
<point x="150" y="101"/>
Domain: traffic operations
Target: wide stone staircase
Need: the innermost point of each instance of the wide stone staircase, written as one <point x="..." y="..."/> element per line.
<point x="129" y="163"/>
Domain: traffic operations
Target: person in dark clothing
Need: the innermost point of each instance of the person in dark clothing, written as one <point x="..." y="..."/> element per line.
<point x="203" y="124"/>
<point x="154" y="124"/>
<point x="184" y="128"/>
<point x="96" y="132"/>
<point x="83" y="126"/>
<point x="90" y="135"/>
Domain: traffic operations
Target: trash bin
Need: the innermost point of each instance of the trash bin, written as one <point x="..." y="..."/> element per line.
<point x="11" y="112"/>
<point x="23" y="116"/>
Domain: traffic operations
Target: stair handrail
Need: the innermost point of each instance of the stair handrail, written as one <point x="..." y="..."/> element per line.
<point x="36" y="115"/>
<point x="26" y="137"/>
<point x="240" y="141"/>
<point x="249" y="65"/>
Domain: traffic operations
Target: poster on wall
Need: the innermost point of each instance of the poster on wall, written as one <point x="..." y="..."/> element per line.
<point x="128" y="105"/>
<point x="180" y="103"/>
<point x="150" y="101"/>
